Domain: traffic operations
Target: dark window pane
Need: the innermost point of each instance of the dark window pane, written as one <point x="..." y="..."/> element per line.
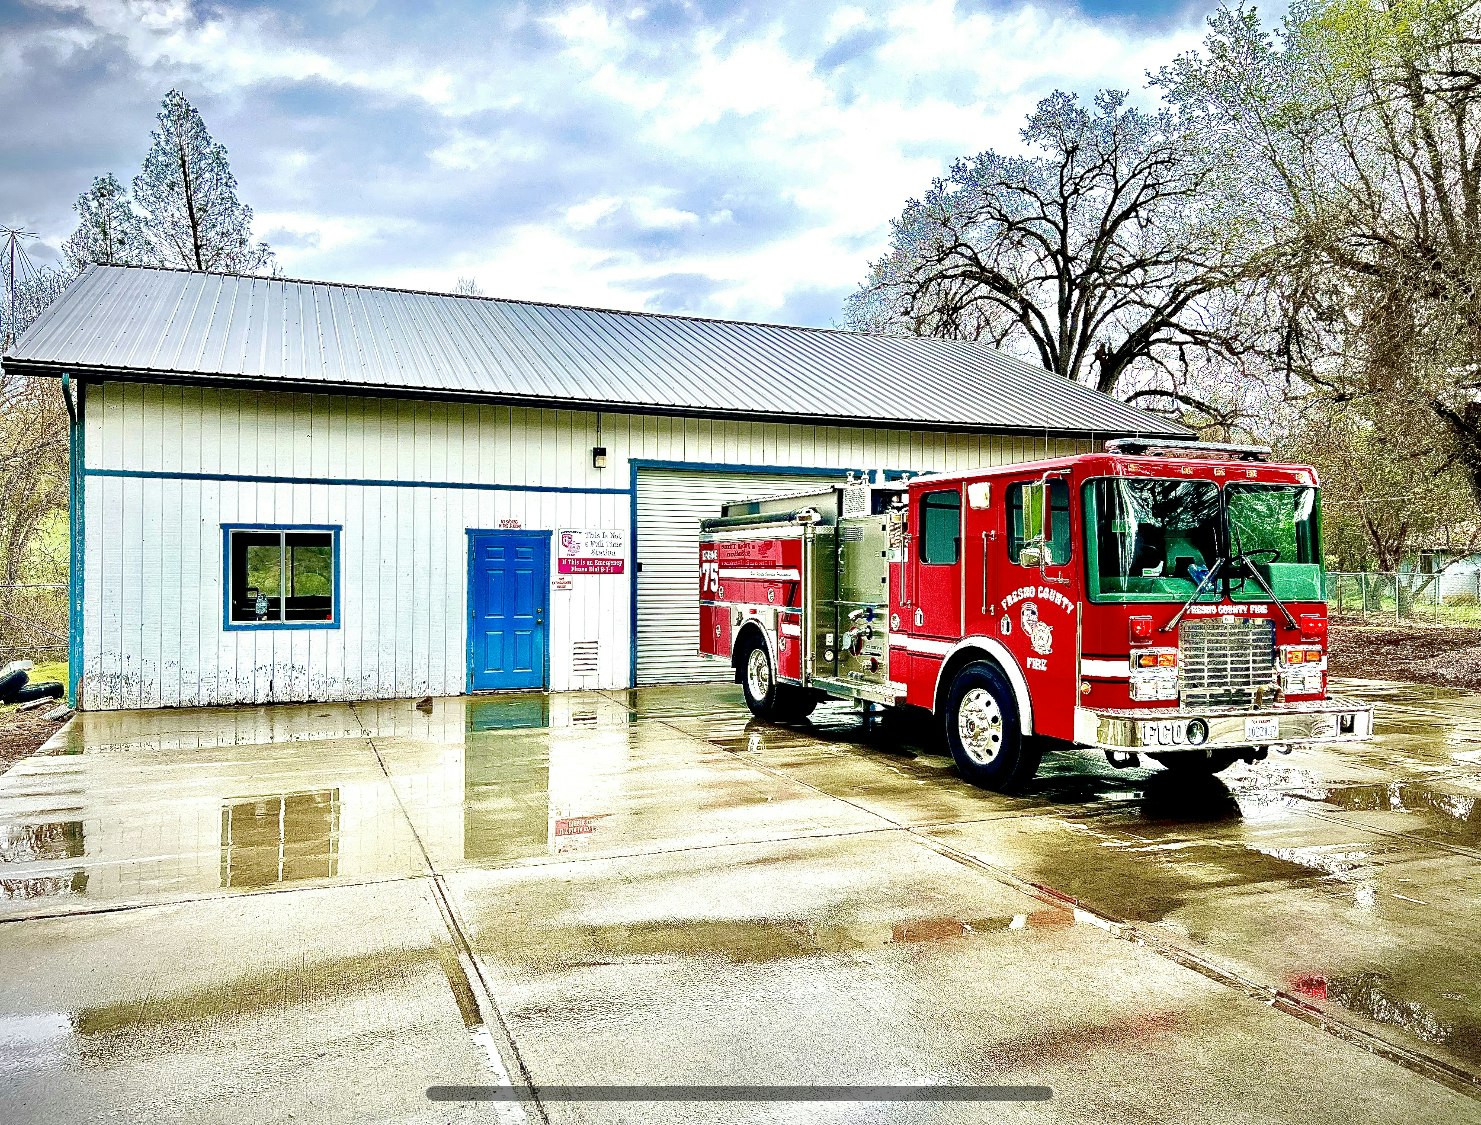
<point x="281" y="576"/>
<point x="255" y="576"/>
<point x="941" y="527"/>
<point x="310" y="575"/>
<point x="1059" y="528"/>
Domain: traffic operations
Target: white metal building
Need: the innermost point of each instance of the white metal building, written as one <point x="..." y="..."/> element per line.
<point x="297" y="491"/>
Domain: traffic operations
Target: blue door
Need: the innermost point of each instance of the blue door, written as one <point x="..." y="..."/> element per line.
<point x="508" y="580"/>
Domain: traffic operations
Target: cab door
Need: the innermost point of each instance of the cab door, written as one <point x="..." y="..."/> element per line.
<point x="937" y="583"/>
<point x="1038" y="601"/>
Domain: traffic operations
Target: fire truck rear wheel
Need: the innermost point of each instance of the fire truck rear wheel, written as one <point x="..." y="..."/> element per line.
<point x="766" y="698"/>
<point x="984" y="732"/>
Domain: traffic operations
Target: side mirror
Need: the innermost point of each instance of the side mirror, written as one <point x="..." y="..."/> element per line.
<point x="1035" y="513"/>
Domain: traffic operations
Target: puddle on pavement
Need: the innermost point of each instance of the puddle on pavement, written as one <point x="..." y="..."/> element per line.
<point x="1377" y="996"/>
<point x="46" y="844"/>
<point x="1456" y="816"/>
<point x="29" y="843"/>
<point x="285" y="838"/>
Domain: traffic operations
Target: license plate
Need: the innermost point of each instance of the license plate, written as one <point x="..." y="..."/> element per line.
<point x="1262" y="729"/>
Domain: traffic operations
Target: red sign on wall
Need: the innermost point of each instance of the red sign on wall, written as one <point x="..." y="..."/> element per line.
<point x="591" y="551"/>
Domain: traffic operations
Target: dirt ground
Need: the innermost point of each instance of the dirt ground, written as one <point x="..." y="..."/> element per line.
<point x="21" y="734"/>
<point x="1447" y="657"/>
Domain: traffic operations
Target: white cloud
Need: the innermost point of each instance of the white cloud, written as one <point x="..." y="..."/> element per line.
<point x="590" y="154"/>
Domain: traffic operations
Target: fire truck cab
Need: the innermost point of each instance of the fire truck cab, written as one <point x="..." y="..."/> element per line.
<point x="1163" y="598"/>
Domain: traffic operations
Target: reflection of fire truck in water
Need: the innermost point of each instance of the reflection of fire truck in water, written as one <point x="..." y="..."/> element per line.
<point x="1162" y="598"/>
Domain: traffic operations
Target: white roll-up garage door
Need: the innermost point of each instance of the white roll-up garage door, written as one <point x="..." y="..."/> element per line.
<point x="670" y="506"/>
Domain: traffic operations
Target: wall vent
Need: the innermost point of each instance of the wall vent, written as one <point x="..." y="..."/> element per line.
<point x="584" y="657"/>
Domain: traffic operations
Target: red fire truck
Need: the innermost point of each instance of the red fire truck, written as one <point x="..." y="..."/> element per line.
<point x="1158" y="598"/>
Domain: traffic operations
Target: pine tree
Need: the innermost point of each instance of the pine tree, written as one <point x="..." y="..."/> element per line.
<point x="187" y="197"/>
<point x="109" y="232"/>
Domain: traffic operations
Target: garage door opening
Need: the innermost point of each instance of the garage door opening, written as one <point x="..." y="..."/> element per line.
<point x="670" y="505"/>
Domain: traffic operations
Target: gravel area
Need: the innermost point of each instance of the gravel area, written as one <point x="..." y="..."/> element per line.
<point x="1447" y="656"/>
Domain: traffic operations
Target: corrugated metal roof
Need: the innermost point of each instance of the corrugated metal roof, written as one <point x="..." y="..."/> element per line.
<point x="304" y="335"/>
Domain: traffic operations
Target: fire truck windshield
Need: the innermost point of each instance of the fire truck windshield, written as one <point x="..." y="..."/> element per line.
<point x="1277" y="529"/>
<point x="1154" y="540"/>
<point x="1150" y="540"/>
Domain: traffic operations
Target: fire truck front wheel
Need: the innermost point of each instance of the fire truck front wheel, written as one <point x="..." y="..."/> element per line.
<point x="766" y="698"/>
<point x="983" y="731"/>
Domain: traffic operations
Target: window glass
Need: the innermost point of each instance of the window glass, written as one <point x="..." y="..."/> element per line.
<point x="280" y="576"/>
<point x="1277" y="527"/>
<point x="941" y="527"/>
<point x="1059" y="527"/>
<point x="1151" y="539"/>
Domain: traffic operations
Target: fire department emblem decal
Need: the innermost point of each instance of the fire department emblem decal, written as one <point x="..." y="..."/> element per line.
<point x="1040" y="635"/>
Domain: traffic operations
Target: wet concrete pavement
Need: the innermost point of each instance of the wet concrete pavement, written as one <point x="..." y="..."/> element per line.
<point x="318" y="912"/>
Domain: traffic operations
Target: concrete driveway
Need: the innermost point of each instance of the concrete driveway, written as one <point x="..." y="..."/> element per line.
<point x="319" y="912"/>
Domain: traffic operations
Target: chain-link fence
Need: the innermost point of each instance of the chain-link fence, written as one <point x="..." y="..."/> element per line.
<point x="1375" y="598"/>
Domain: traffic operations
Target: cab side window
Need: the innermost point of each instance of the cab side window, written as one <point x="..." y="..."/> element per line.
<point x="1059" y="530"/>
<point x="941" y="527"/>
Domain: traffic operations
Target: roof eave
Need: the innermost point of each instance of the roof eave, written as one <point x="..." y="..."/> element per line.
<point x="15" y="365"/>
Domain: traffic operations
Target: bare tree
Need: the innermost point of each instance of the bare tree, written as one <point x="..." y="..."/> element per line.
<point x="468" y="287"/>
<point x="1108" y="258"/>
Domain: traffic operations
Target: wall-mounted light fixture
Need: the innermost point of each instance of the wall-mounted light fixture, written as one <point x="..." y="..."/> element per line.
<point x="599" y="457"/>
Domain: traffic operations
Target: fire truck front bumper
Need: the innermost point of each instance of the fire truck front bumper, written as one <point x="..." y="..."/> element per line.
<point x="1171" y="729"/>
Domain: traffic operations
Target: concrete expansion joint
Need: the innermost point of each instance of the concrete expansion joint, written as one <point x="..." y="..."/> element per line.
<point x="502" y="1050"/>
<point x="1426" y="1066"/>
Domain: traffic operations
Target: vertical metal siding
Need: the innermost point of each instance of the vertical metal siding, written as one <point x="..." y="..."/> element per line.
<point x="151" y="616"/>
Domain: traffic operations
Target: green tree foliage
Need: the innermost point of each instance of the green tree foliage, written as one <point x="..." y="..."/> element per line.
<point x="108" y="232"/>
<point x="187" y="199"/>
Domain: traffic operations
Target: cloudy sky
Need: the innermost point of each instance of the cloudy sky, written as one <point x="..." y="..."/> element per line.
<point x="712" y="157"/>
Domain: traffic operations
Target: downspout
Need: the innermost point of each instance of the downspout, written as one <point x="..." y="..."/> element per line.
<point x="76" y="497"/>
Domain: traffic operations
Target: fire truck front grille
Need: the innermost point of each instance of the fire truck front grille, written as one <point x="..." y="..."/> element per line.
<point x="1224" y="660"/>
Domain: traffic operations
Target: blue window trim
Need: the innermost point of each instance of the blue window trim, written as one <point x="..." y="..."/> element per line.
<point x="533" y="533"/>
<point x="273" y="626"/>
<point x="636" y="463"/>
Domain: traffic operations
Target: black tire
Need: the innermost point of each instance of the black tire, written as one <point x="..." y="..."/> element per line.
<point x="767" y="699"/>
<point x="12" y="684"/>
<point x="984" y="732"/>
<point x="1194" y="763"/>
<point x="46" y="689"/>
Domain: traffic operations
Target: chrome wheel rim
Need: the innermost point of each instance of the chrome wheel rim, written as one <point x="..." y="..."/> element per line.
<point x="979" y="726"/>
<point x="758" y="674"/>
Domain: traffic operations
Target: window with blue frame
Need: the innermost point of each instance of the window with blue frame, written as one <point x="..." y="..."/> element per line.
<point x="282" y="576"/>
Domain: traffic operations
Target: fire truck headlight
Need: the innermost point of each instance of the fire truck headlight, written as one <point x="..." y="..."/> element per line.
<point x="1197" y="732"/>
<point x="1154" y="674"/>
